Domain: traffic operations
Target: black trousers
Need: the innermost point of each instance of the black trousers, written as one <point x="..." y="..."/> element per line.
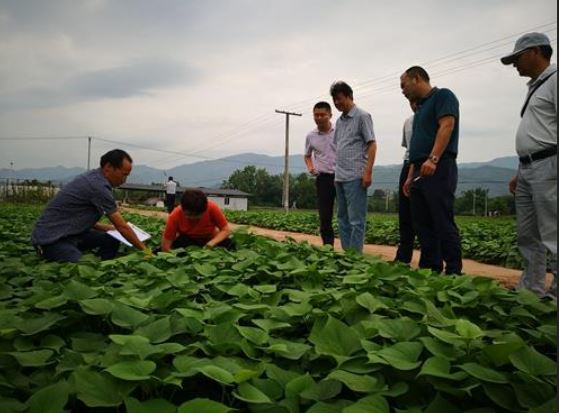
<point x="170" y="202"/>
<point x="69" y="249"/>
<point x="432" y="200"/>
<point x="405" y="224"/>
<point x="184" y="241"/>
<point x="325" y="197"/>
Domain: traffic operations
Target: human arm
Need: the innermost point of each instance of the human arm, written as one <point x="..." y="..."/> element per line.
<point x="368" y="173"/>
<point x="446" y="126"/>
<point x="171" y="231"/>
<point x="513" y="184"/>
<point x="219" y="237"/>
<point x="103" y="227"/>
<point x="219" y="220"/>
<point x="166" y="244"/>
<point x="124" y="229"/>
<point x="408" y="181"/>
<point x="310" y="164"/>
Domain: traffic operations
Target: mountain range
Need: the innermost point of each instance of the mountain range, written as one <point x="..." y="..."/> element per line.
<point x="493" y="175"/>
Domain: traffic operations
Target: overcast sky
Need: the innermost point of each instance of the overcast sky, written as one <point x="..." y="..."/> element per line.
<point x="203" y="78"/>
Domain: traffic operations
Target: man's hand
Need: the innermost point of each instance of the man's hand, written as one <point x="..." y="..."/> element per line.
<point x="147" y="253"/>
<point x="428" y="168"/>
<point x="104" y="227"/>
<point x="367" y="180"/>
<point x="313" y="172"/>
<point x="406" y="187"/>
<point x="513" y="184"/>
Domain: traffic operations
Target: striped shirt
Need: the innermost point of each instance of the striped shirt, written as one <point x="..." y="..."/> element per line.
<point x="323" y="150"/>
<point x="354" y="131"/>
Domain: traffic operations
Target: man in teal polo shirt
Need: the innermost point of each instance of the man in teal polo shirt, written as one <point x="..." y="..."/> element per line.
<point x="432" y="179"/>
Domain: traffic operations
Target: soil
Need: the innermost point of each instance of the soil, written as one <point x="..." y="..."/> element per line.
<point x="507" y="277"/>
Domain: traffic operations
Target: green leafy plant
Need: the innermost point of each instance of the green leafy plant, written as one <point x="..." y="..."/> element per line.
<point x="272" y="327"/>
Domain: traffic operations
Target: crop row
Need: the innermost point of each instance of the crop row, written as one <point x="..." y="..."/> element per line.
<point x="488" y="240"/>
<point x="270" y="328"/>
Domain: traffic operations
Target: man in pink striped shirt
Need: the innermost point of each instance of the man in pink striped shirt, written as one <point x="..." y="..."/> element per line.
<point x="320" y="160"/>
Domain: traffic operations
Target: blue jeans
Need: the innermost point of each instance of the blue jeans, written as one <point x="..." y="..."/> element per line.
<point x="352" y="213"/>
<point x="69" y="249"/>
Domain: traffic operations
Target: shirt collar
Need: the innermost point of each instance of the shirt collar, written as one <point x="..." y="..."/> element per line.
<point x="100" y="173"/>
<point x="546" y="72"/>
<point x="430" y="94"/>
<point x="351" y="112"/>
<point x="325" y="133"/>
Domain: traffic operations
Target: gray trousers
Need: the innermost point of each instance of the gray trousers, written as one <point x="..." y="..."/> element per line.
<point x="536" y="204"/>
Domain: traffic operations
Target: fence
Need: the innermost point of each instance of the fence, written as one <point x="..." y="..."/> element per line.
<point x="26" y="190"/>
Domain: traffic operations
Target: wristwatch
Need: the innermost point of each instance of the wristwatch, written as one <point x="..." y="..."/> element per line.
<point x="434" y="159"/>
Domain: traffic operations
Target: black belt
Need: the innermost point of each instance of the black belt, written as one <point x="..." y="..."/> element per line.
<point x="545" y="153"/>
<point x="325" y="174"/>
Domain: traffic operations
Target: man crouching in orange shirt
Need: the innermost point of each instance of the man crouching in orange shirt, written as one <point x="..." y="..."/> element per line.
<point x="196" y="221"/>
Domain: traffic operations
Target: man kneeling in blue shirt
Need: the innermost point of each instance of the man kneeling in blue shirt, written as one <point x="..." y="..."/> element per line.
<point x="69" y="224"/>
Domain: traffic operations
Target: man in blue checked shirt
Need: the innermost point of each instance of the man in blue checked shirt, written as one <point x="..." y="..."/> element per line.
<point x="355" y="155"/>
<point x="69" y="223"/>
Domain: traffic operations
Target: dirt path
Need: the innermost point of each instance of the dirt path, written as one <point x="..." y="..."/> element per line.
<point x="506" y="276"/>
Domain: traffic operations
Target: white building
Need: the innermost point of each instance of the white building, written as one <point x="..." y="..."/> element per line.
<point x="224" y="198"/>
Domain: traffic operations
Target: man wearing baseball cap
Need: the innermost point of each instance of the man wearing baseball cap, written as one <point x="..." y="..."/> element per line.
<point x="536" y="184"/>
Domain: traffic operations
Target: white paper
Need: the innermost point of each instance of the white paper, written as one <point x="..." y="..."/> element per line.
<point x="141" y="234"/>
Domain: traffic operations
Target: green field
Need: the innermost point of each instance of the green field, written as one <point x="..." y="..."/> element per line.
<point x="489" y="240"/>
<point x="270" y="328"/>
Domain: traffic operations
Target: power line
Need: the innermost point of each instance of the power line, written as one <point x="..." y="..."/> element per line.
<point x="383" y="85"/>
<point x="392" y="77"/>
<point x="41" y="138"/>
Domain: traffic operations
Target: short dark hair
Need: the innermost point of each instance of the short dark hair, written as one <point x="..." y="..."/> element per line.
<point x="323" y="105"/>
<point x="418" y="71"/>
<point x="115" y="158"/>
<point x="194" y="201"/>
<point x="546" y="51"/>
<point x="170" y="178"/>
<point x="341" y="87"/>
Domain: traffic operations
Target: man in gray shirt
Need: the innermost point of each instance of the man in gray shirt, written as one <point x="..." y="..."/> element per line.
<point x="355" y="155"/>
<point x="69" y="224"/>
<point x="536" y="184"/>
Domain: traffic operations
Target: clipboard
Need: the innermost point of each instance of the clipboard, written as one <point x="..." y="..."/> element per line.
<point x="140" y="233"/>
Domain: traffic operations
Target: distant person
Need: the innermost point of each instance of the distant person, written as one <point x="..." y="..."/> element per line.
<point x="536" y="184"/>
<point x="405" y="225"/>
<point x="69" y="223"/>
<point x="196" y="221"/>
<point x="355" y="155"/>
<point x="171" y="187"/>
<point x="432" y="178"/>
<point x="320" y="160"/>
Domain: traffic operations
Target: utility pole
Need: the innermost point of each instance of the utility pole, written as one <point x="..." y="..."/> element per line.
<point x="286" y="173"/>
<point x="474" y="202"/>
<point x="486" y="203"/>
<point x="89" y="150"/>
<point x="387" y="198"/>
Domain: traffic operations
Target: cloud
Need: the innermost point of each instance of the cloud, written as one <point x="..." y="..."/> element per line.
<point x="137" y="78"/>
<point x="134" y="79"/>
<point x="207" y="76"/>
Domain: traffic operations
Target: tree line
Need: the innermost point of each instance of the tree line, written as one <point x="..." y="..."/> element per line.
<point x="267" y="190"/>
